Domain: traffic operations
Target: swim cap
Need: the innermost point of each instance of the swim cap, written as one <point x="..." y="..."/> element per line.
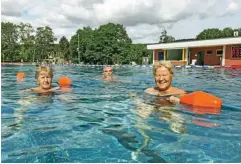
<point x="108" y="68"/>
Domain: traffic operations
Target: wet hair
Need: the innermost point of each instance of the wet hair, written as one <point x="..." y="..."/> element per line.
<point x="163" y="63"/>
<point x="49" y="71"/>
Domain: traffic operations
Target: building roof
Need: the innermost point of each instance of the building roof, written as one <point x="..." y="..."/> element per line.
<point x="197" y="43"/>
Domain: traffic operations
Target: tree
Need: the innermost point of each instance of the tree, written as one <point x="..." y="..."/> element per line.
<point x="114" y="40"/>
<point x="212" y="33"/>
<point x="64" y="47"/>
<point x="9" y="39"/>
<point x="169" y="39"/>
<point x="108" y="44"/>
<point x="26" y="39"/>
<point x="79" y="42"/>
<point x="44" y="40"/>
<point x="163" y="35"/>
<point x="227" y="32"/>
<point x="137" y="52"/>
<point x="164" y="38"/>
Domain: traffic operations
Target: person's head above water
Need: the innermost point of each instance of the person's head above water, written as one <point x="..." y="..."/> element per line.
<point x="107" y="71"/>
<point x="44" y="76"/>
<point x="162" y="71"/>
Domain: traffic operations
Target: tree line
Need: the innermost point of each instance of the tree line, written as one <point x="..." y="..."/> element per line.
<point x="210" y="33"/>
<point x="107" y="44"/>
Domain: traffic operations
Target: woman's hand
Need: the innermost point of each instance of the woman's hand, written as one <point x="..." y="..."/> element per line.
<point x="174" y="99"/>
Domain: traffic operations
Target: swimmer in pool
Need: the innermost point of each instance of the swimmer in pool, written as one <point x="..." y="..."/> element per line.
<point x="108" y="74"/>
<point x="163" y="74"/>
<point x="44" y="77"/>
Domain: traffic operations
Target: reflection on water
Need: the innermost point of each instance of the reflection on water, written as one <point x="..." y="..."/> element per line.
<point x="103" y="122"/>
<point x="126" y="139"/>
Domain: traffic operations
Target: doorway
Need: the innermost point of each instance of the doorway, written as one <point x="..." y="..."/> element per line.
<point x="200" y="58"/>
<point x="160" y="55"/>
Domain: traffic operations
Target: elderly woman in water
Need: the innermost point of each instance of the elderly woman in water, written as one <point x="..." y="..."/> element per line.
<point x="163" y="107"/>
<point x="163" y="75"/>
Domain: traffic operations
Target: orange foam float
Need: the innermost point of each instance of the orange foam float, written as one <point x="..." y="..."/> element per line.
<point x="20" y="75"/>
<point x="64" y="81"/>
<point x="202" y="102"/>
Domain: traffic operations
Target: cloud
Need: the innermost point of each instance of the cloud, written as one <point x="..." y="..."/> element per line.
<point x="144" y="32"/>
<point x="144" y="20"/>
<point x="13" y="8"/>
<point x="234" y="5"/>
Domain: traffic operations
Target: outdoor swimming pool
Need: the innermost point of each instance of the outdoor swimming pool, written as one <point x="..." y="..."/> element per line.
<point x="98" y="121"/>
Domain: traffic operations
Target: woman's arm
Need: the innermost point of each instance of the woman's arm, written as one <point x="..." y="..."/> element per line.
<point x="27" y="90"/>
<point x="54" y="88"/>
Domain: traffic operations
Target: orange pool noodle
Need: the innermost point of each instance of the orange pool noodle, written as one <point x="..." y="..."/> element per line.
<point x="64" y="81"/>
<point x="201" y="99"/>
<point x="20" y="75"/>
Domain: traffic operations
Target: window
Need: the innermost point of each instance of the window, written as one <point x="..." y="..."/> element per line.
<point x="219" y="52"/>
<point x="209" y="52"/>
<point x="236" y="52"/>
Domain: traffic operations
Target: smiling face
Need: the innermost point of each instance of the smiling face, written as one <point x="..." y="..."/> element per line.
<point x="108" y="72"/>
<point x="44" y="80"/>
<point x="163" y="78"/>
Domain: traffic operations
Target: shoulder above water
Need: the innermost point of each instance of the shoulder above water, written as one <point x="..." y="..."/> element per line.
<point x="178" y="91"/>
<point x="39" y="90"/>
<point x="151" y="91"/>
<point x="170" y="91"/>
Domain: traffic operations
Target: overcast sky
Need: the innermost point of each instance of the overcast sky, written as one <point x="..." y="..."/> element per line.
<point x="144" y="19"/>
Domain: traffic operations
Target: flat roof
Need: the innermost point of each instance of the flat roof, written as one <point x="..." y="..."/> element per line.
<point x="196" y="43"/>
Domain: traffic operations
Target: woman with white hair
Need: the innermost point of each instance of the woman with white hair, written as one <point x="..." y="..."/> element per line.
<point x="163" y="107"/>
<point x="163" y="74"/>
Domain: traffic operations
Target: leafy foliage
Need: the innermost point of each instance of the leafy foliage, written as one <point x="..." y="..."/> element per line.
<point x="215" y="33"/>
<point x="26" y="39"/>
<point x="63" y="48"/>
<point x="9" y="39"/>
<point x="212" y="33"/>
<point x="109" y="44"/>
<point x="164" y="38"/>
<point x="44" y="40"/>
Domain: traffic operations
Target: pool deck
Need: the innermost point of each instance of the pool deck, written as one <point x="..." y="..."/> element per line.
<point x="16" y="63"/>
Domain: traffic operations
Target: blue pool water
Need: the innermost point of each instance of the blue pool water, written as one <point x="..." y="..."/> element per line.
<point x="99" y="121"/>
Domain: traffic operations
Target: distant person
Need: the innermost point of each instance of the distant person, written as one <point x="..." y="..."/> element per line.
<point x="44" y="77"/>
<point x="163" y="74"/>
<point x="108" y="73"/>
